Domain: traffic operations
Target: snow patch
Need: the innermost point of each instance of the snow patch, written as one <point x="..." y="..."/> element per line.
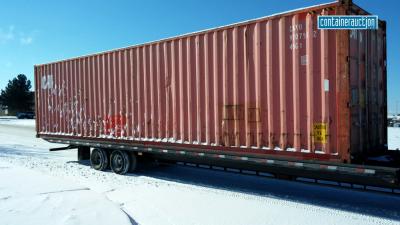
<point x="48" y="200"/>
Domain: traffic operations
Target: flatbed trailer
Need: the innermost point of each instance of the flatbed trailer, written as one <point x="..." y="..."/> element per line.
<point x="278" y="166"/>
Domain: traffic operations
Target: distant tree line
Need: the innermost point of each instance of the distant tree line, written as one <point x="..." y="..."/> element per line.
<point x="17" y="95"/>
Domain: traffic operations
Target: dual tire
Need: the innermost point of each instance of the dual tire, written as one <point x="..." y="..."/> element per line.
<point x="99" y="159"/>
<point x="119" y="161"/>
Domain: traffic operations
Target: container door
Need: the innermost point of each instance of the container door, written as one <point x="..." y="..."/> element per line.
<point x="368" y="90"/>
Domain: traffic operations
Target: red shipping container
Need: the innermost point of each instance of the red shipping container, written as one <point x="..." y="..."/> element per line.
<point x="275" y="85"/>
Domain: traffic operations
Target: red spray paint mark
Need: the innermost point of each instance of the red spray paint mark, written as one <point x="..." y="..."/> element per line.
<point x="115" y="125"/>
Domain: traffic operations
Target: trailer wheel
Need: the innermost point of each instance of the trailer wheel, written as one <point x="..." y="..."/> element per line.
<point x="120" y="162"/>
<point x="99" y="159"/>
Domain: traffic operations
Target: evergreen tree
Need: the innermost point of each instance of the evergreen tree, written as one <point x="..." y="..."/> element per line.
<point x="17" y="95"/>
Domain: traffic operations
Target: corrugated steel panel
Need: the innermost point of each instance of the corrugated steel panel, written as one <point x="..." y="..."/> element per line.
<point x="368" y="89"/>
<point x="274" y="85"/>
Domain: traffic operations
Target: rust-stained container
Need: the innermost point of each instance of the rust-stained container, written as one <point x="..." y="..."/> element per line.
<point x="275" y="85"/>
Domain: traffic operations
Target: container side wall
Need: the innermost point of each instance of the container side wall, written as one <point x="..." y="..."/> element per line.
<point x="277" y="85"/>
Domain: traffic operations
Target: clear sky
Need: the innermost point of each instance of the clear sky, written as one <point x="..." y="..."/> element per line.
<point x="35" y="32"/>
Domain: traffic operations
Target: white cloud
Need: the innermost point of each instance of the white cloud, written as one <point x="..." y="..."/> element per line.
<point x="26" y="40"/>
<point x="7" y="34"/>
<point x="11" y="34"/>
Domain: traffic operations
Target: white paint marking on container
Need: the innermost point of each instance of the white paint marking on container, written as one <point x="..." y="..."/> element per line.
<point x="332" y="167"/>
<point x="326" y="84"/>
<point x="299" y="164"/>
<point x="369" y="171"/>
<point x="303" y="60"/>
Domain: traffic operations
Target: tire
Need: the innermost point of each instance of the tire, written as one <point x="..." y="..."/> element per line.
<point x="120" y="162"/>
<point x="99" y="159"/>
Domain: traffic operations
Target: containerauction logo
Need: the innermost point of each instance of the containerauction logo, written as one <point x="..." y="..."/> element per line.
<point x="348" y="22"/>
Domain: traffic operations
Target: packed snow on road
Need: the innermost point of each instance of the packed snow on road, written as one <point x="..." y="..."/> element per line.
<point x="42" y="187"/>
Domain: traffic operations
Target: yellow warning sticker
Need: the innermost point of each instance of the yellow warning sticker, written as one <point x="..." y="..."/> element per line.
<point x="320" y="132"/>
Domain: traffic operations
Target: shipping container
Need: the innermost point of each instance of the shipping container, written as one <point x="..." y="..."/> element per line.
<point x="273" y="87"/>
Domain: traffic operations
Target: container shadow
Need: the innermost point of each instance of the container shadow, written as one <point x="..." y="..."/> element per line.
<point x="357" y="201"/>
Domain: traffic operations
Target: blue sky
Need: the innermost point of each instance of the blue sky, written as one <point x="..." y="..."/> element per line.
<point x="35" y="32"/>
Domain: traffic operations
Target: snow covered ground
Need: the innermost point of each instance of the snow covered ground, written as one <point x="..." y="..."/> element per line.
<point x="12" y="120"/>
<point x="42" y="187"/>
<point x="394" y="137"/>
<point x="30" y="197"/>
